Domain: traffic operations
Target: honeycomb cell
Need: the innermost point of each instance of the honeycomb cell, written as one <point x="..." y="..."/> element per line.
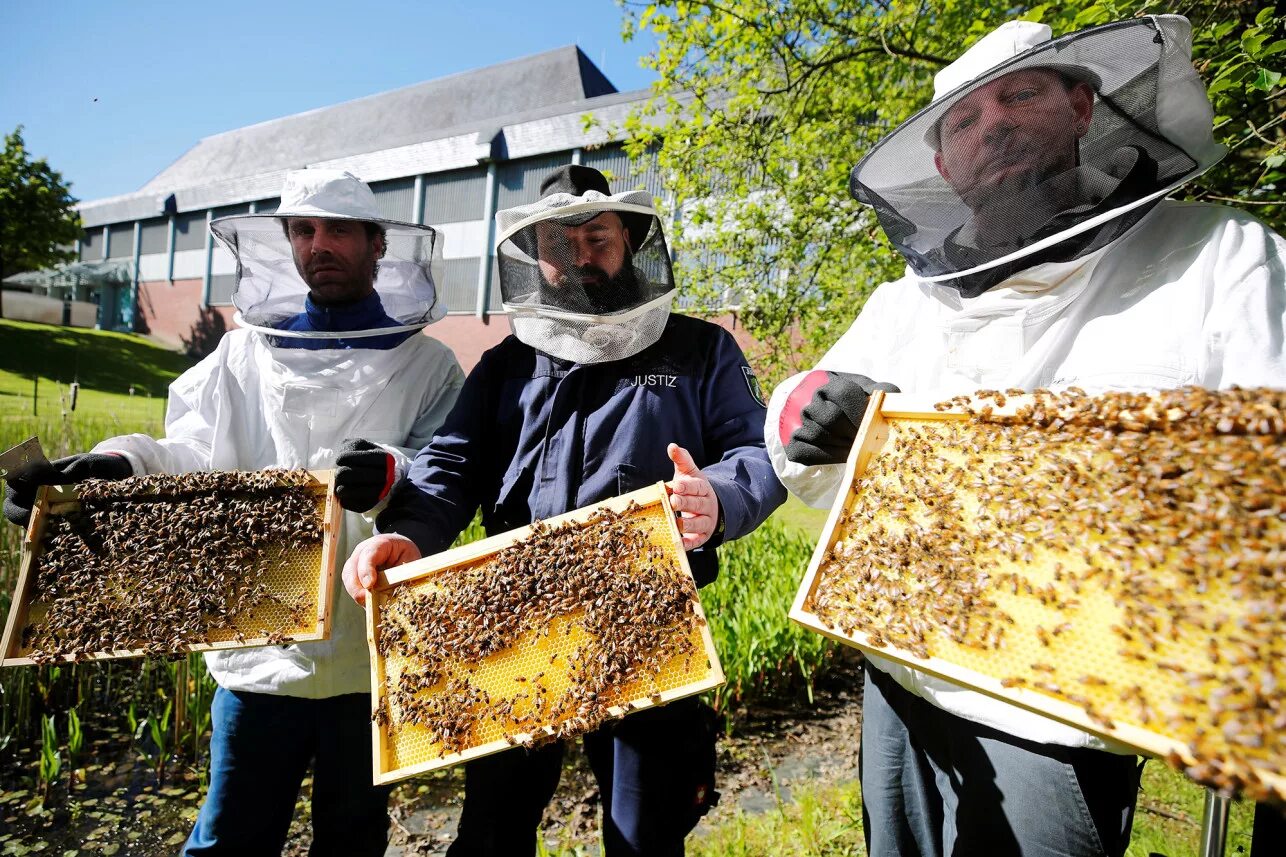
<point x="521" y="691"/>
<point x="152" y="565"/>
<point x="1123" y="554"/>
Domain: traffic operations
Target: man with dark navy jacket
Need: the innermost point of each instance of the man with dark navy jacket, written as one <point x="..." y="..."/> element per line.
<point x="600" y="391"/>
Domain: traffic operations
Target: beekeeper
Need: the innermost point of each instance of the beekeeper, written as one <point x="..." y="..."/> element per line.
<point x="327" y="369"/>
<point x="1029" y="202"/>
<point x="601" y="390"/>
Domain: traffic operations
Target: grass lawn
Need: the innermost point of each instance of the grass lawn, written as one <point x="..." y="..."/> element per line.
<point x="827" y="822"/>
<point x="106" y="364"/>
<point x="797" y="514"/>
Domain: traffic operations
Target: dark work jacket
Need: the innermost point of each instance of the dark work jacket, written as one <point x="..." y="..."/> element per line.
<point x="532" y="436"/>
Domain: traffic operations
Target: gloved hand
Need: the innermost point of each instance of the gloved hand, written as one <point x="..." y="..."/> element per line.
<point x="364" y="474"/>
<point x="828" y="424"/>
<point x="20" y="493"/>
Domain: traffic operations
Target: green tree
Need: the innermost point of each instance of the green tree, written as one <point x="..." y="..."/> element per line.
<point x="763" y="106"/>
<point x="37" y="221"/>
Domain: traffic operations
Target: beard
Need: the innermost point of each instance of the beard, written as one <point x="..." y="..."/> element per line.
<point x="592" y="291"/>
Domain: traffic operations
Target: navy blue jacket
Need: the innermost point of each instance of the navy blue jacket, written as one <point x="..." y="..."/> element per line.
<point x="365" y="314"/>
<point x="532" y="436"/>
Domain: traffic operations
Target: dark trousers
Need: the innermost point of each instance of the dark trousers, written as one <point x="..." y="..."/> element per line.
<point x="260" y="748"/>
<point x="935" y="784"/>
<point x="655" y="773"/>
<point x="1268" y="838"/>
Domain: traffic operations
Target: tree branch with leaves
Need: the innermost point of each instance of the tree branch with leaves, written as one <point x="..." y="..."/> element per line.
<point x="762" y="107"/>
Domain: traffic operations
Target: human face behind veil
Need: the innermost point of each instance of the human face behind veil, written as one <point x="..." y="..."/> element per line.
<point x="1011" y="135"/>
<point x="586" y="267"/>
<point x="335" y="257"/>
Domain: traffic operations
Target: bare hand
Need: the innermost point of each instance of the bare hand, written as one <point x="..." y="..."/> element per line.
<point x="693" y="497"/>
<point x="373" y="556"/>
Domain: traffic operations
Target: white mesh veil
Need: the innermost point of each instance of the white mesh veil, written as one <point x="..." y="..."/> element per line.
<point x="270" y="291"/>
<point x="586" y="278"/>
<point x="979" y="181"/>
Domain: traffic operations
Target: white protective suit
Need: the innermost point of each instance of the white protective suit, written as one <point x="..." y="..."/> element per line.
<point x="250" y="405"/>
<point x="1193" y="294"/>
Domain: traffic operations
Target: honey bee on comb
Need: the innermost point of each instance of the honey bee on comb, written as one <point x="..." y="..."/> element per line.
<point x="539" y="641"/>
<point x="1122" y="553"/>
<point x="160" y="564"/>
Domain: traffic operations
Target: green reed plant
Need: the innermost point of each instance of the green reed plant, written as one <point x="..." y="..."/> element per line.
<point x="160" y="749"/>
<point x="50" y="759"/>
<point x="763" y="653"/>
<point x="195" y="696"/>
<point x="75" y="744"/>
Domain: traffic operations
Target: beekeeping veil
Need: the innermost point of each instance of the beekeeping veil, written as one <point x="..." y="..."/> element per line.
<point x="585" y="274"/>
<point x="1025" y="190"/>
<point x="270" y="291"/>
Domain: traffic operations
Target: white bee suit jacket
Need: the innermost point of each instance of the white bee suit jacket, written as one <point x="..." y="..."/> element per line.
<point x="249" y="406"/>
<point x="1193" y="294"/>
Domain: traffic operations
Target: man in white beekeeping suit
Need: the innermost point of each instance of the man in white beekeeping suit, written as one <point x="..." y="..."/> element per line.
<point x="328" y="370"/>
<point x="1029" y="202"/>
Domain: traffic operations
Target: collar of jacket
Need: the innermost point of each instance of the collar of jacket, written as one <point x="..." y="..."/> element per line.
<point x="365" y="314"/>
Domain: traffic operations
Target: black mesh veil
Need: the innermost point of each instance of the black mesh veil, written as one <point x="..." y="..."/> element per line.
<point x="1066" y="138"/>
<point x="270" y="289"/>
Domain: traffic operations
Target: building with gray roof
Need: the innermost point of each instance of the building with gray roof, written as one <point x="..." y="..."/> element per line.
<point x="447" y="152"/>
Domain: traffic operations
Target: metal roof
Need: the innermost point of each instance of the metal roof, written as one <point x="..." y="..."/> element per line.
<point x="537" y="102"/>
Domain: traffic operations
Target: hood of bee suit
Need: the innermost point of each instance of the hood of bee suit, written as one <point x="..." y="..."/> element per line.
<point x="979" y="185"/>
<point x="585" y="274"/>
<point x="271" y="296"/>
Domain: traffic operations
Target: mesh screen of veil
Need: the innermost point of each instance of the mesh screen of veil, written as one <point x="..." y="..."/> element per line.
<point x="599" y="262"/>
<point x="1007" y="161"/>
<point x="270" y="290"/>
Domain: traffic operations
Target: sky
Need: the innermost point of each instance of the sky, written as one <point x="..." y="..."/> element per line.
<point x="113" y="91"/>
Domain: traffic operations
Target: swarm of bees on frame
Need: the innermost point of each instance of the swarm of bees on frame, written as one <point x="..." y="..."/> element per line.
<point x="159" y="563"/>
<point x="1125" y="553"/>
<point x="607" y="579"/>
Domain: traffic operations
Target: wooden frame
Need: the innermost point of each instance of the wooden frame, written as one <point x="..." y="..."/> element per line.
<point x="60" y="499"/>
<point x="871" y="437"/>
<point x="479" y="550"/>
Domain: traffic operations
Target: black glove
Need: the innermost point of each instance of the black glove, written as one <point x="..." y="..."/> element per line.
<point x="364" y="474"/>
<point x="20" y="493"/>
<point x="828" y="424"/>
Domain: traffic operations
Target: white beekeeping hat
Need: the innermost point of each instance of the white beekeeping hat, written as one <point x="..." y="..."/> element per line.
<point x="1149" y="131"/>
<point x="585" y="274"/>
<point x="269" y="288"/>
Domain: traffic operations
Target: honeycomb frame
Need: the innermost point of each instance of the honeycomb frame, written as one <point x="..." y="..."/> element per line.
<point x="401" y="751"/>
<point x="309" y="573"/>
<point x="999" y="675"/>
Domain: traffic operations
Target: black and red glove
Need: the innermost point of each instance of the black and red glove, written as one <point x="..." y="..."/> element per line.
<point x="20" y="492"/>
<point x="820" y="419"/>
<point x="364" y="474"/>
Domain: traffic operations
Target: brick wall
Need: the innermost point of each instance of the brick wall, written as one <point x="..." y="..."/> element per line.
<point x="172" y="314"/>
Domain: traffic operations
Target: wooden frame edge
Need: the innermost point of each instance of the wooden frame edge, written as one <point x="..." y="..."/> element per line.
<point x="475" y="551"/>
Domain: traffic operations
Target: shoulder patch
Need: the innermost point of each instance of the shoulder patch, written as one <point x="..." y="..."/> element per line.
<point x="756" y="391"/>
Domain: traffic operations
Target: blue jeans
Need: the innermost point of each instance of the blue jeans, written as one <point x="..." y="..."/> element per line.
<point x="935" y="784"/>
<point x="655" y="773"/>
<point x="260" y="749"/>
